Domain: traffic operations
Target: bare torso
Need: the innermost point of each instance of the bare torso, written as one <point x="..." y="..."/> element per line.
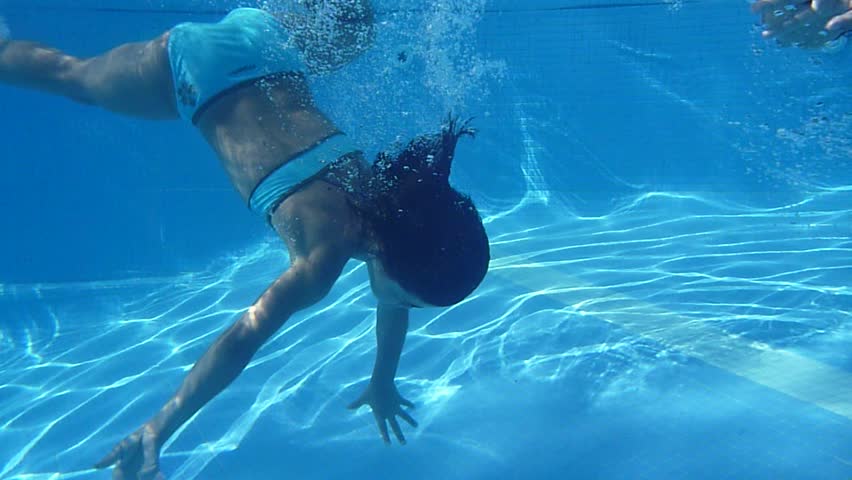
<point x="257" y="128"/>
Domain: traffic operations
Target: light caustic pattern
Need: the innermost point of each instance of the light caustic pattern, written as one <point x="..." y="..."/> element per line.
<point x="600" y="303"/>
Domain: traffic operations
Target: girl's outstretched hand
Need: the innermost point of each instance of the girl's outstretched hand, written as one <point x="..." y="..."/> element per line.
<point x="387" y="404"/>
<point x="137" y="457"/>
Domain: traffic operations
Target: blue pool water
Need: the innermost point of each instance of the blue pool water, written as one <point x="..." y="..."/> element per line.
<point x="668" y="199"/>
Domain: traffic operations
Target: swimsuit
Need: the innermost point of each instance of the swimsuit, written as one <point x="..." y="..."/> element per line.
<point x="297" y="172"/>
<point x="209" y="60"/>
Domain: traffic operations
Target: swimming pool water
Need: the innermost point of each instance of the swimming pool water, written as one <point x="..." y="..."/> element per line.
<point x="669" y="297"/>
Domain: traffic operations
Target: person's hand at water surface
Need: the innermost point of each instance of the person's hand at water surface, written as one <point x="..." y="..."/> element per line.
<point x="806" y="24"/>
<point x="386" y="403"/>
<point x="137" y="457"/>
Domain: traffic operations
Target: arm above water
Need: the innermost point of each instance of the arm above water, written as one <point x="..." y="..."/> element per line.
<point x="381" y="393"/>
<point x="132" y="79"/>
<point x="306" y="282"/>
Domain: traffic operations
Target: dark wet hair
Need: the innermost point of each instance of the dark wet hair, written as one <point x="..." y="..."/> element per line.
<point x="432" y="241"/>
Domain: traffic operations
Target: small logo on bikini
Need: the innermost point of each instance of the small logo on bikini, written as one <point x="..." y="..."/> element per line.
<point x="187" y="94"/>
